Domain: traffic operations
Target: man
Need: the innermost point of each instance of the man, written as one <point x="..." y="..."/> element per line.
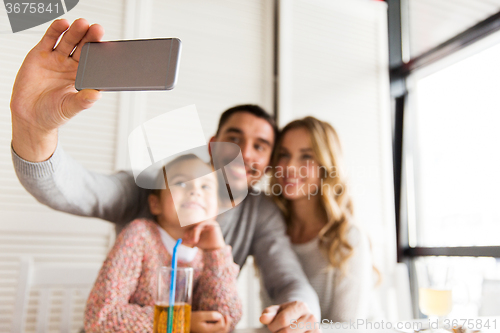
<point x="44" y="98"/>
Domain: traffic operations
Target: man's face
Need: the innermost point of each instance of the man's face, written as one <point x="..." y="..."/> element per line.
<point x="255" y="137"/>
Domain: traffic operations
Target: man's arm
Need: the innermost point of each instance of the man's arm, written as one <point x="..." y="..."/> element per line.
<point x="65" y="185"/>
<point x="280" y="268"/>
<point x="43" y="99"/>
<point x="44" y="95"/>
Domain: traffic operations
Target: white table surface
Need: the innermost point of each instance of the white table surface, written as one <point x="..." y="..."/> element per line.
<point x="423" y="323"/>
<point x="329" y="330"/>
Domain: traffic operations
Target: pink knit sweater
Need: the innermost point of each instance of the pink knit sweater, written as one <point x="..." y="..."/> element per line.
<point x="122" y="299"/>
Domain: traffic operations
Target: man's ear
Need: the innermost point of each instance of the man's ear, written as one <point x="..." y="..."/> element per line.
<point x="154" y="204"/>
<point x="268" y="169"/>
<point x="212" y="140"/>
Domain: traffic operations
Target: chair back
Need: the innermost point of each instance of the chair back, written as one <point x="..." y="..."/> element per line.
<point x="403" y="292"/>
<point x="47" y="277"/>
<point x="490" y="298"/>
<point x="395" y="295"/>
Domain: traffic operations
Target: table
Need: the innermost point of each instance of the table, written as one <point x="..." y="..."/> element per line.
<point x="329" y="330"/>
<point x="385" y="327"/>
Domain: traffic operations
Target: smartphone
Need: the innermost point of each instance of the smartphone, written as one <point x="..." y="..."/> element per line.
<point x="144" y="64"/>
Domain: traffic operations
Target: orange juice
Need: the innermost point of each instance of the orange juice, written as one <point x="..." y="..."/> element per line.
<point x="181" y="319"/>
<point x="435" y="302"/>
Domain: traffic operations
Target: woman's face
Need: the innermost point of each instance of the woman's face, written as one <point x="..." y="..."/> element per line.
<point x="297" y="170"/>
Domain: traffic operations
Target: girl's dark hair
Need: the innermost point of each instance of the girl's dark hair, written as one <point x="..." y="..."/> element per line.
<point x="161" y="180"/>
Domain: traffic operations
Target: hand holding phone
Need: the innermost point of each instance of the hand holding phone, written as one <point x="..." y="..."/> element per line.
<point x="43" y="96"/>
<point x="146" y="64"/>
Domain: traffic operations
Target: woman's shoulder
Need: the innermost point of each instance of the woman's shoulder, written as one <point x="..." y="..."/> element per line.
<point x="357" y="237"/>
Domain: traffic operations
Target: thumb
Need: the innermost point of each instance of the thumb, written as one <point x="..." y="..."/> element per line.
<point x="210" y="315"/>
<point x="268" y="314"/>
<point x="228" y="321"/>
<point x="192" y="236"/>
<point x="74" y="103"/>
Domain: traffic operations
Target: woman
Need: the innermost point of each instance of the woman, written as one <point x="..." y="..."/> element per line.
<point x="314" y="198"/>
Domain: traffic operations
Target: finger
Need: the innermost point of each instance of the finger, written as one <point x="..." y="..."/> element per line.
<point x="208" y="226"/>
<point x="94" y="34"/>
<point x="306" y="323"/>
<point x="271" y="309"/>
<point x="210" y="315"/>
<point x="268" y="314"/>
<point x="213" y="327"/>
<point x="280" y="321"/>
<point x="72" y="37"/>
<point x="192" y="235"/>
<point x="209" y="223"/>
<point x="286" y="314"/>
<point x="49" y="40"/>
<point x="196" y="232"/>
<point x="74" y="103"/>
<point x="187" y="237"/>
<point x="212" y="225"/>
<point x="201" y="225"/>
<point x="228" y="321"/>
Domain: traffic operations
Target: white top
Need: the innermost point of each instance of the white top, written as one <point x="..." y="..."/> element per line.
<point x="184" y="253"/>
<point x="342" y="297"/>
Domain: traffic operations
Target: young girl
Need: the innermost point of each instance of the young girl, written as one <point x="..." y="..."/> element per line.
<point x="123" y="296"/>
<point x="334" y="253"/>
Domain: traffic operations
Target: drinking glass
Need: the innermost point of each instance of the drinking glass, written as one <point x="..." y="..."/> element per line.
<point x="181" y="308"/>
<point x="435" y="297"/>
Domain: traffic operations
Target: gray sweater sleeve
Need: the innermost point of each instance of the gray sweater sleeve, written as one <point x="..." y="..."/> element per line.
<point x="280" y="268"/>
<point x="65" y="185"/>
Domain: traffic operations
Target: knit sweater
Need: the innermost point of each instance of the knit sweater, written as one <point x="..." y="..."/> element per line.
<point x="122" y="299"/>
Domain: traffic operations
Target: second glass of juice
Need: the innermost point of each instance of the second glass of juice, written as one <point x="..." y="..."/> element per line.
<point x="435" y="297"/>
<point x="181" y="309"/>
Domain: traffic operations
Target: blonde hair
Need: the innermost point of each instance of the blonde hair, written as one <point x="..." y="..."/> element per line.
<point x="335" y="197"/>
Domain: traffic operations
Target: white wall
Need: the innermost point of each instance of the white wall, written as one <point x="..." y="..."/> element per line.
<point x="226" y="57"/>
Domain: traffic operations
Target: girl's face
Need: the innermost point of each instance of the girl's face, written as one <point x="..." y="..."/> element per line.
<point x="191" y="196"/>
<point x="297" y="170"/>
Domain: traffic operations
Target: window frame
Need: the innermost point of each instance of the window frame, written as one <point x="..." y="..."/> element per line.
<point x="402" y="75"/>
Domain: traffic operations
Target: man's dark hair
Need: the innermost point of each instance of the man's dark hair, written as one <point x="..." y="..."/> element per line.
<point x="252" y="109"/>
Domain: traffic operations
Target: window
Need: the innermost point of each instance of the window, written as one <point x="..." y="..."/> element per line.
<point x="446" y="143"/>
<point x="433" y="22"/>
<point x="454" y="120"/>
